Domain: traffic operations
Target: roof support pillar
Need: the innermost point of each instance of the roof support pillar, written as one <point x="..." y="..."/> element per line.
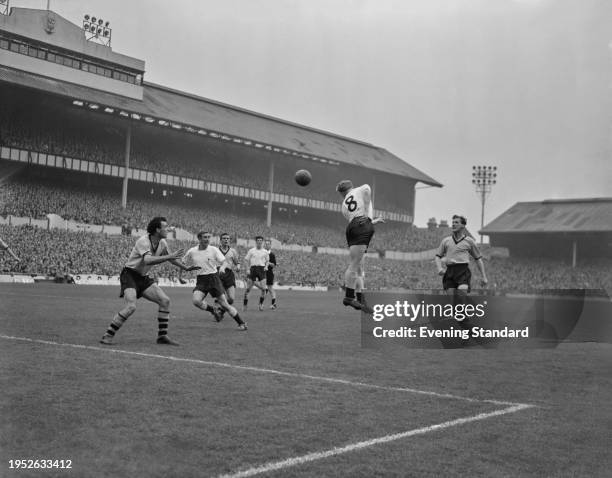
<point x="271" y="185"/>
<point x="128" y="144"/>
<point x="373" y="187"/>
<point x="574" y="252"/>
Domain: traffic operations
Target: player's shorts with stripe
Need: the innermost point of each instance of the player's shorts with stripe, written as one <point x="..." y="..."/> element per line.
<point x="270" y="277"/>
<point x="456" y="275"/>
<point x="130" y="279"/>
<point x="228" y="279"/>
<point x="210" y="284"/>
<point x="359" y="231"/>
<point x="257" y="273"/>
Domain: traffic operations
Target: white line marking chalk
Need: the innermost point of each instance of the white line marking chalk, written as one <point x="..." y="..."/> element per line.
<point x="298" y="460"/>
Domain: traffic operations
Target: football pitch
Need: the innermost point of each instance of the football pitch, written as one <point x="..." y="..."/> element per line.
<point x="295" y="395"/>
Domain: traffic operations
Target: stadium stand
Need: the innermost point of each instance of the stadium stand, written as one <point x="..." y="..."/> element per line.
<point x="61" y="132"/>
<point x="36" y="198"/>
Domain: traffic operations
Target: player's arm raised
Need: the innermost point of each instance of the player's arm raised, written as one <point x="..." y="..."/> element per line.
<point x="171" y="257"/>
<point x="367" y="199"/>
<point x="185" y="260"/>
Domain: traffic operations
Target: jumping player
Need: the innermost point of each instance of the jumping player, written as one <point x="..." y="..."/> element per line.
<point x="256" y="260"/>
<point x="358" y="209"/>
<point x="270" y="272"/>
<point x="208" y="258"/>
<point x="149" y="250"/>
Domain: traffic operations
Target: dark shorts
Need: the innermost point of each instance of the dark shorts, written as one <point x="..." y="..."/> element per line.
<point x="359" y="231"/>
<point x="210" y="284"/>
<point x="270" y="277"/>
<point x="228" y="279"/>
<point x="456" y="275"/>
<point x="257" y="273"/>
<point x="130" y="279"/>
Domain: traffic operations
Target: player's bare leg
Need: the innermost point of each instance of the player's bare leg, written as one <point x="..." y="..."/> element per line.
<point x="360" y="285"/>
<point x="157" y="295"/>
<point x="272" y="293"/>
<point x="230" y="293"/>
<point x="232" y="311"/>
<point x="199" y="302"/>
<point x="245" y="301"/>
<point x="356" y="253"/>
<point x="120" y="317"/>
<point x="262" y="297"/>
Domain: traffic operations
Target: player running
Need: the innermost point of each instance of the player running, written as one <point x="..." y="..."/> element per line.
<point x="228" y="278"/>
<point x="208" y="258"/>
<point x="270" y="272"/>
<point x="358" y="209"/>
<point x="149" y="250"/>
<point x="256" y="259"/>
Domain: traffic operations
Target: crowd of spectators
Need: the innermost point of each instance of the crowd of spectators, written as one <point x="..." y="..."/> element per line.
<point x="61" y="132"/>
<point x="37" y="198"/>
<point x="61" y="253"/>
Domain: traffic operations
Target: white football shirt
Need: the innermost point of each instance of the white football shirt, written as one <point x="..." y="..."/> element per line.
<point x="257" y="257"/>
<point x="207" y="259"/>
<point x="355" y="203"/>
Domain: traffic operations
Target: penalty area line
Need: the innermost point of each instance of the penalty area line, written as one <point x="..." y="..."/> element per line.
<point x="318" y="378"/>
<point x="299" y="460"/>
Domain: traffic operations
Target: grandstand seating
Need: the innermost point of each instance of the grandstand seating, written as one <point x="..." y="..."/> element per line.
<point x="36" y="198"/>
<point x="62" y="133"/>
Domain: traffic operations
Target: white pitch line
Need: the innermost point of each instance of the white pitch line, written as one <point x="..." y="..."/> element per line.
<point x="266" y="370"/>
<point x="319" y="455"/>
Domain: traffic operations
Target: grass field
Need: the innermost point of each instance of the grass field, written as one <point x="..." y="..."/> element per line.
<point x="295" y="395"/>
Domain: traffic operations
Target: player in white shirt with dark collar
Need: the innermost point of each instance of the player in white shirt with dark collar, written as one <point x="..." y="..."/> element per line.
<point x="358" y="209"/>
<point x="208" y="258"/>
<point x="256" y="260"/>
<point x="149" y="250"/>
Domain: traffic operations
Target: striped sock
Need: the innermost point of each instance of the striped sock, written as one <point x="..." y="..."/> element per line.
<point x="115" y="324"/>
<point x="162" y="318"/>
<point x="237" y="318"/>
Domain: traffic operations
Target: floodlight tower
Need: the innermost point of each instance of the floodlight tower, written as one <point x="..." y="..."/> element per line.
<point x="4" y="7"/>
<point x="483" y="179"/>
<point x="97" y="30"/>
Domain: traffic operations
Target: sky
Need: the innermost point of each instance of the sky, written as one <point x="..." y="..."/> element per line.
<point x="524" y="85"/>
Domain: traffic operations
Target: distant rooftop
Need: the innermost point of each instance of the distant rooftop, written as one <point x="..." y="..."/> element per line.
<point x="555" y="215"/>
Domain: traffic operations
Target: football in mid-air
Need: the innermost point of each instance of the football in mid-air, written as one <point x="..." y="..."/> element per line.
<point x="303" y="177"/>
